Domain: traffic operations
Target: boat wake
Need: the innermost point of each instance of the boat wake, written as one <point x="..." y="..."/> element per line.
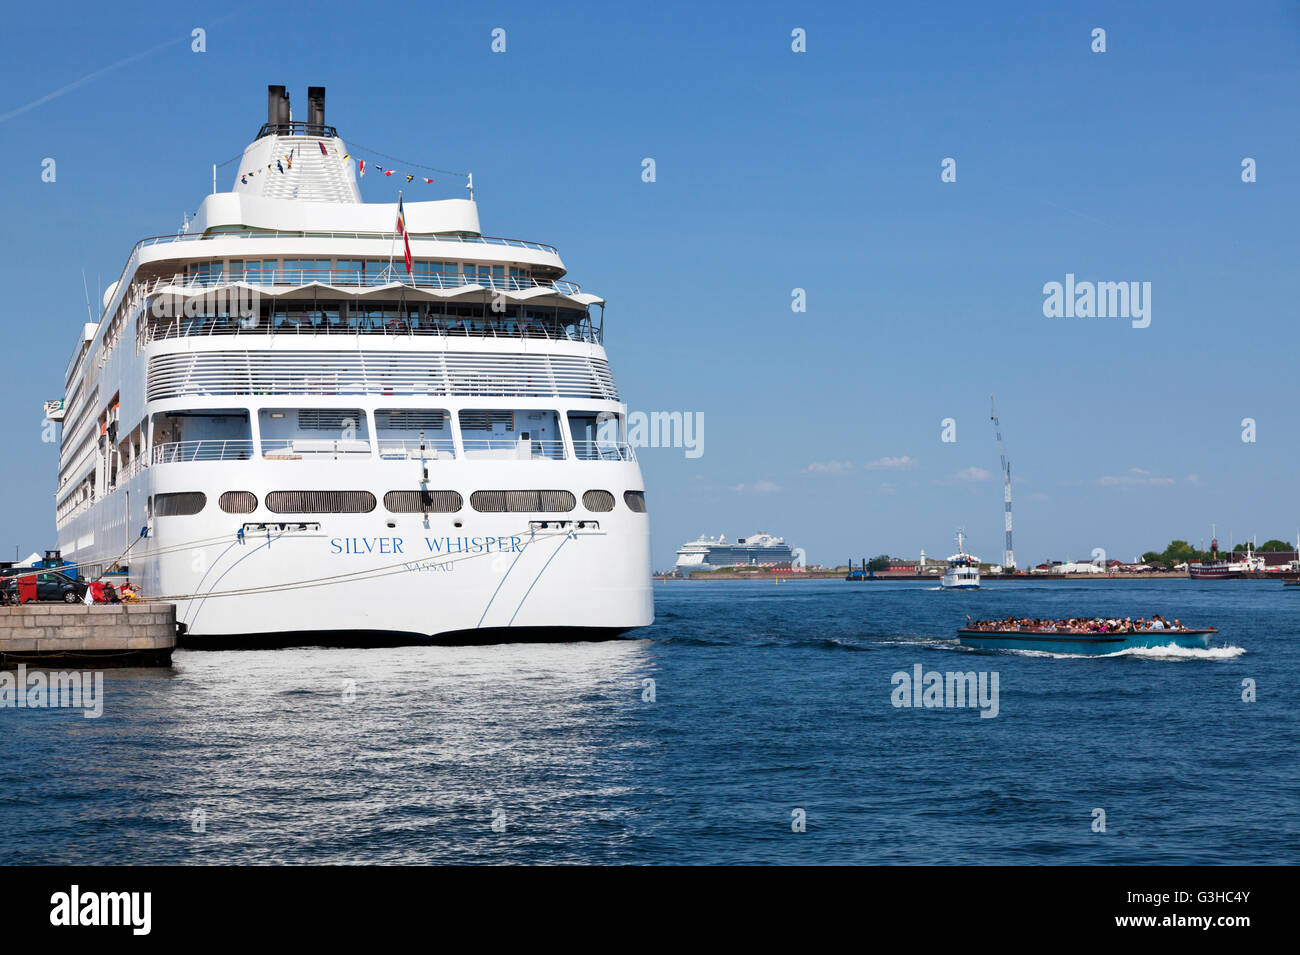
<point x="1172" y="652"/>
<point x="1167" y="652"/>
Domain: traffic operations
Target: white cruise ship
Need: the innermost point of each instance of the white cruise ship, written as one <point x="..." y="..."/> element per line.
<point x="291" y="432"/>
<point x="714" y="553"/>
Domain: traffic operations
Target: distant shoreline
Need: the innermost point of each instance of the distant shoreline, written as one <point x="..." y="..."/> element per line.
<point x="933" y="578"/>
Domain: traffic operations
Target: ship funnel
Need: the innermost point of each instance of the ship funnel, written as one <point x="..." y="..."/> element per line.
<point x="315" y="110"/>
<point x="277" y="106"/>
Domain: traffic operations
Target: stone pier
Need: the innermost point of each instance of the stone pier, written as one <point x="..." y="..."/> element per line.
<point x="77" y="635"/>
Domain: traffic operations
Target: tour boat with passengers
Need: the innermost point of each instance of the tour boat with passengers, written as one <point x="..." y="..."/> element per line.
<point x="307" y="416"/>
<point x="1093" y="636"/>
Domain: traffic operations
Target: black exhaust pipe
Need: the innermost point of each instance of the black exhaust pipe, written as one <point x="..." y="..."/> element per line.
<point x="315" y="110"/>
<point x="277" y="106"/>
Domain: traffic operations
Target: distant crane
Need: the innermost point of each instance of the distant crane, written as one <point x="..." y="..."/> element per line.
<point x="1009" y="559"/>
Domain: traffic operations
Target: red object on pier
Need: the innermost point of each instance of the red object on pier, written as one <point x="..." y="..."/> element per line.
<point x="97" y="592"/>
<point x="27" y="589"/>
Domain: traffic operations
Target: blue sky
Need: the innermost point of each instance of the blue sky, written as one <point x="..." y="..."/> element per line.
<point x="775" y="170"/>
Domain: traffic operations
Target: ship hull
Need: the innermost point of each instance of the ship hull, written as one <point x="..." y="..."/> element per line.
<point x="1091" y="644"/>
<point x="1212" y="573"/>
<point x="381" y="577"/>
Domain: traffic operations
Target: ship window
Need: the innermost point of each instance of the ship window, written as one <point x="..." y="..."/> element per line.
<point x="412" y="419"/>
<point x="598" y="501"/>
<point x="483" y="420"/>
<point x="522" y="434"/>
<point x="320" y="502"/>
<point x="348" y="272"/>
<point x="331" y="419"/>
<point x="554" y="501"/>
<point x="530" y="502"/>
<point x="238" y="502"/>
<point x="205" y="273"/>
<point x="181" y="504"/>
<point x="635" y="501"/>
<point x="419" y="502"/>
<point x="596" y="435"/>
<point x="489" y="502"/>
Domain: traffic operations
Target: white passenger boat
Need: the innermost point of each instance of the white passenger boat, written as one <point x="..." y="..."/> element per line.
<point x="963" y="570"/>
<point x="293" y="433"/>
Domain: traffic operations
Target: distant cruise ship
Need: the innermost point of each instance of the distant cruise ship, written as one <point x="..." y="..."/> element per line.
<point x="290" y="426"/>
<point x="757" y="550"/>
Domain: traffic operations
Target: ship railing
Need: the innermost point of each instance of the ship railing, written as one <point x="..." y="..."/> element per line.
<point x="79" y="508"/>
<point x="388" y="236"/>
<point x="415" y="449"/>
<point x="293" y="449"/>
<point x="214" y="449"/>
<point x="363" y="278"/>
<point x="512" y="448"/>
<point x="162" y="330"/>
<point x="135" y="467"/>
<point x="133" y="258"/>
<point x="603" y="451"/>
<point x="298" y="127"/>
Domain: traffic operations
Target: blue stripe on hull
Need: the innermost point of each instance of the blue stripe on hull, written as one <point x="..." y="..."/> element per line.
<point x="1094" y="644"/>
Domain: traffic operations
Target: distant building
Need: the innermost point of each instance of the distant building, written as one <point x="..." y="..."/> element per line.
<point x="1277" y="560"/>
<point x="1078" y="567"/>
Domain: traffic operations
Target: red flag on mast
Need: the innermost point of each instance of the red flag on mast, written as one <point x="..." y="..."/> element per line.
<point x="401" y="230"/>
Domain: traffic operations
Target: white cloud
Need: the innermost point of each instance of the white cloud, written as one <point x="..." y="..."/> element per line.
<point x="1134" y="477"/>
<point x="829" y="467"/>
<point x="970" y="475"/>
<point x="758" y="487"/>
<point x="892" y="464"/>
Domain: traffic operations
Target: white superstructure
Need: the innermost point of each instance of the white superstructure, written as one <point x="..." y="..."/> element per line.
<point x="963" y="571"/>
<point x="316" y="442"/>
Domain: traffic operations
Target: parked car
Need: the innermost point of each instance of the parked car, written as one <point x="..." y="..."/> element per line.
<point x="50" y="585"/>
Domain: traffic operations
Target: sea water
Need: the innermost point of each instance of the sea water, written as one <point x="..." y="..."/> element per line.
<point x="752" y="723"/>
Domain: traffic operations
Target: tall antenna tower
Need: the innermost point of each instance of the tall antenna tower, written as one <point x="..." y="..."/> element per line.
<point x="1009" y="559"/>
